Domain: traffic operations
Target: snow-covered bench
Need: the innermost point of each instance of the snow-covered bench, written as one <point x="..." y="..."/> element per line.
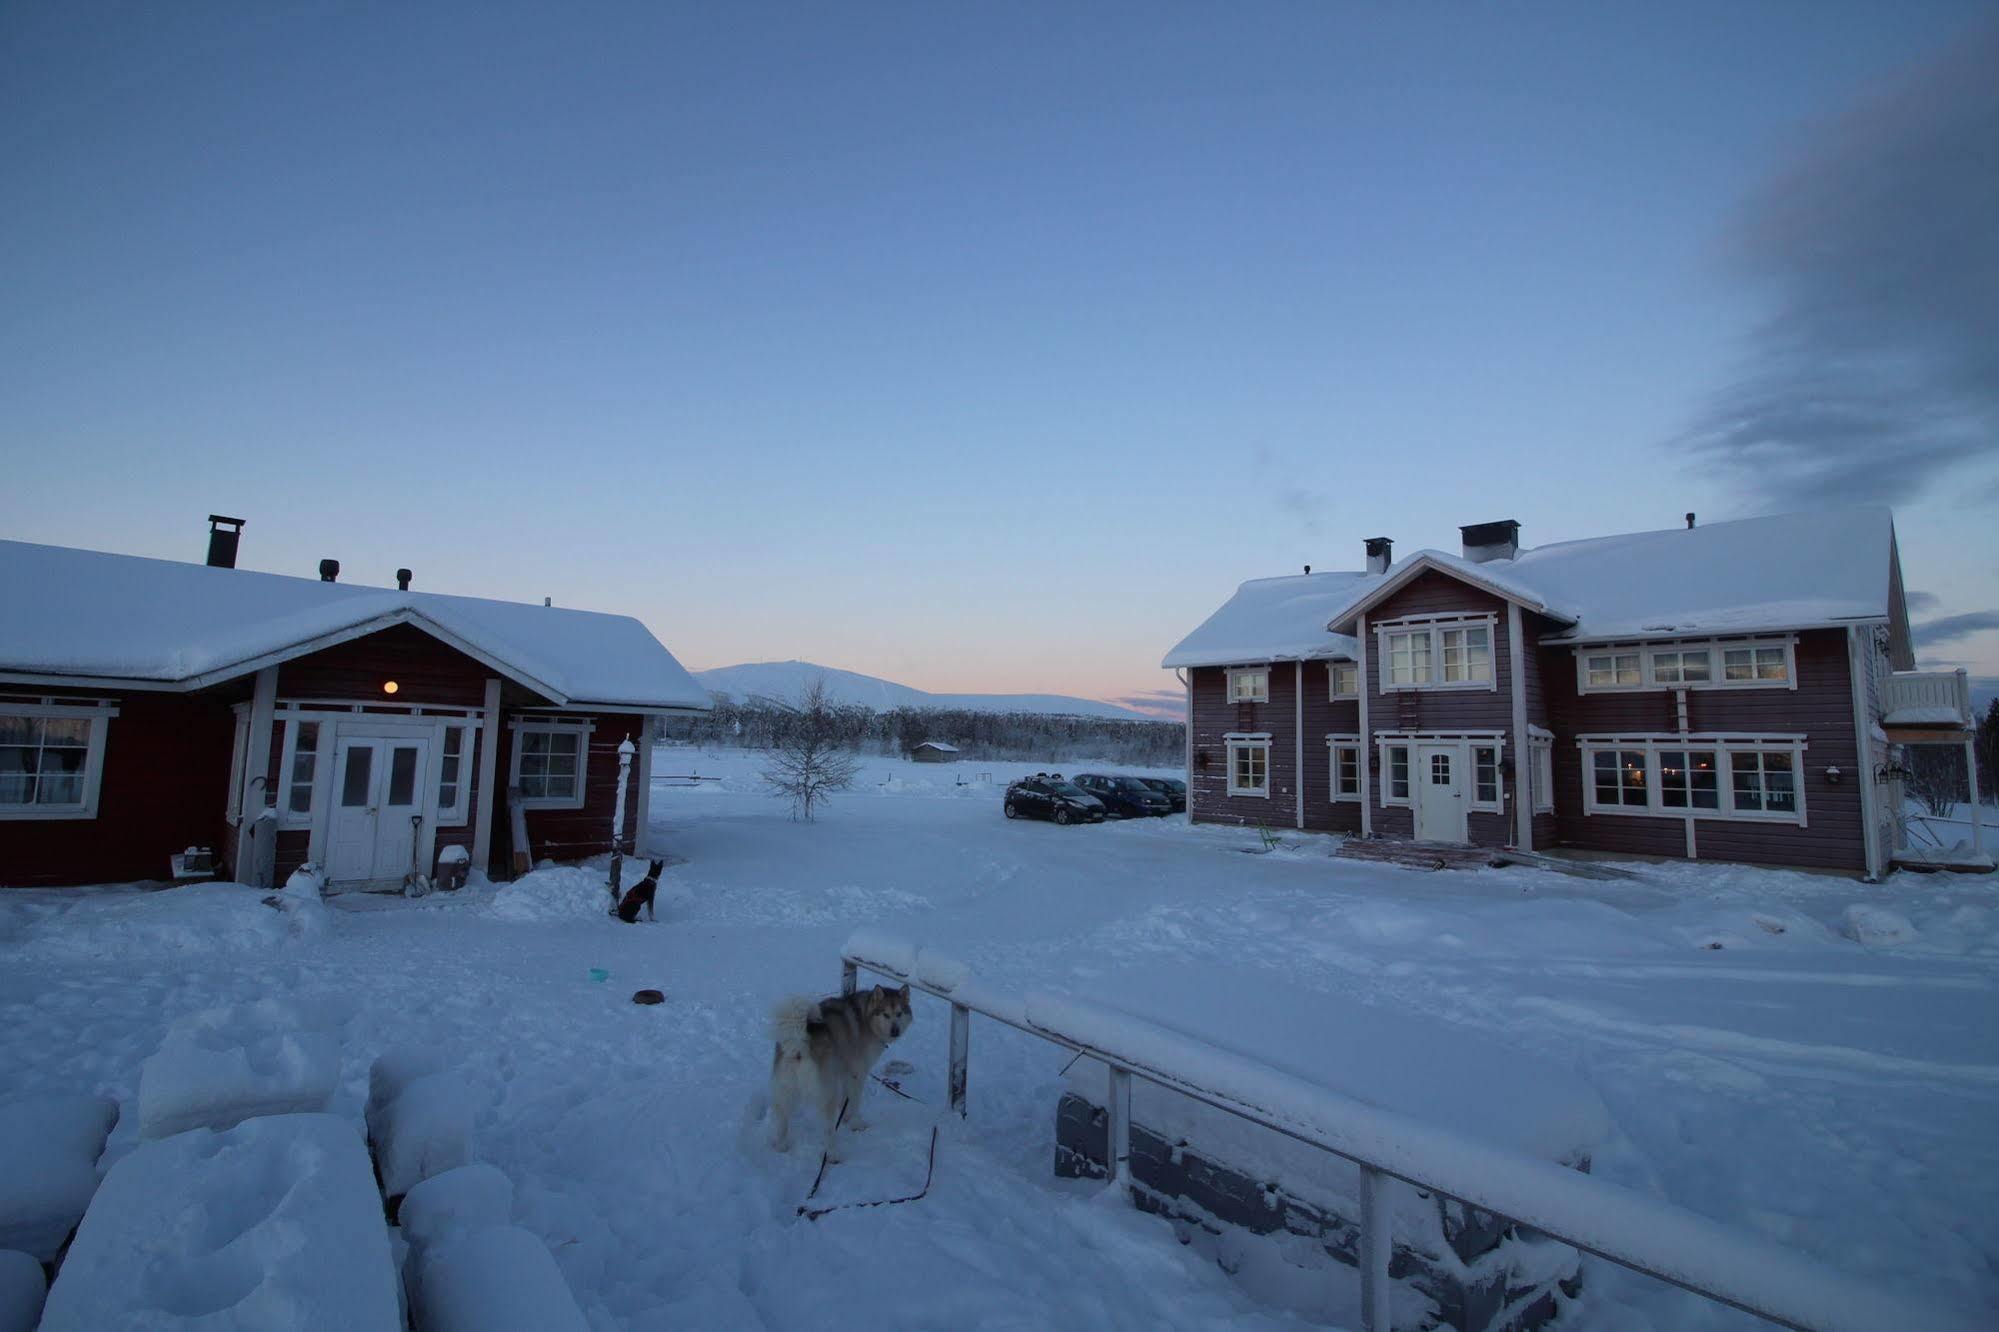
<point x="273" y="1223"/>
<point x="49" y="1145"/>
<point x="470" y="1269"/>
<point x="224" y="1065"/>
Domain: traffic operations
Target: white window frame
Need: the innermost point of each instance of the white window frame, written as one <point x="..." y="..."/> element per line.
<point x="458" y="814"/>
<point x="1436" y="627"/>
<point x="1725" y="748"/>
<point x="1541" y="751"/>
<point x="99" y="714"/>
<point x="1497" y="805"/>
<point x="1237" y="674"/>
<point x="239" y="752"/>
<point x="1250" y="740"/>
<point x="1336" y="745"/>
<point x="1389" y="800"/>
<point x="1333" y="691"/>
<point x="580" y="729"/>
<point x="1717" y="650"/>
<point x="287" y="816"/>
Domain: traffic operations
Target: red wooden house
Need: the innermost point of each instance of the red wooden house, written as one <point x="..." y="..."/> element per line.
<point x="148" y="705"/>
<point x="1734" y="691"/>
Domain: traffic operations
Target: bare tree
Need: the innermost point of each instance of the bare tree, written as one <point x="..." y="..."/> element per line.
<point x="809" y="759"/>
<point x="1936" y="776"/>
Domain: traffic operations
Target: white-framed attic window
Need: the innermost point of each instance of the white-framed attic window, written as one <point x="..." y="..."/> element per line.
<point x="51" y="758"/>
<point x="1249" y="684"/>
<point x="1753" y="663"/>
<point x="549" y="763"/>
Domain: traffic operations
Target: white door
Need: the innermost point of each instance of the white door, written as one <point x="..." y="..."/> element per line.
<point x="378" y="806"/>
<point x="1440" y="793"/>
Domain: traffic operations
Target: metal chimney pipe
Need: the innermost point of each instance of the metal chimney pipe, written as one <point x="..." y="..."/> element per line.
<point x="223" y="534"/>
<point x="1690" y="522"/>
<point x="329" y="571"/>
<point x="402" y="580"/>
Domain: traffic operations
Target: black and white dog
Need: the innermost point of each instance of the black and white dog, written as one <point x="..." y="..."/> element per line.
<point x="639" y="897"/>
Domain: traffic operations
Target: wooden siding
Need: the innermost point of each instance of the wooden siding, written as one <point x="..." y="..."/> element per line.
<point x="1215" y="717"/>
<point x="572" y="834"/>
<point x="1820" y="709"/>
<point x="425" y="670"/>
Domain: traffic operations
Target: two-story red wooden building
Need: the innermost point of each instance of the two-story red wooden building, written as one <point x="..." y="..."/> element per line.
<point x="147" y="706"/>
<point x="1731" y="691"/>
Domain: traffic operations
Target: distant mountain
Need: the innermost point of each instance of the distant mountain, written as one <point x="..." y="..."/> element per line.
<point x="785" y="681"/>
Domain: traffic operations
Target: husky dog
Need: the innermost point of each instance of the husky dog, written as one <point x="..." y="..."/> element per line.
<point x="640" y="895"/>
<point x="825" y="1051"/>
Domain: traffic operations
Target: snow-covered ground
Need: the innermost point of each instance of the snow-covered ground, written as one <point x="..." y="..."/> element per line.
<point x="1808" y="1058"/>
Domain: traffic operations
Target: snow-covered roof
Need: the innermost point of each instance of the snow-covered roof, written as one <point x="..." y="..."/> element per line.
<point x="938" y="745"/>
<point x="1787" y="571"/>
<point x="1275" y="619"/>
<point x="94" y="615"/>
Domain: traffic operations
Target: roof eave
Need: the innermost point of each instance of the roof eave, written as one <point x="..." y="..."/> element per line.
<point x="1419" y="564"/>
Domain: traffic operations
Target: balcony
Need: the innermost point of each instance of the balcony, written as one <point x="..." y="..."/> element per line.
<point x="1929" y="701"/>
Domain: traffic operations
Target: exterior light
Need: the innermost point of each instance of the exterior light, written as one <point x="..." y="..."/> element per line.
<point x="390" y="686"/>
<point x="1833" y="776"/>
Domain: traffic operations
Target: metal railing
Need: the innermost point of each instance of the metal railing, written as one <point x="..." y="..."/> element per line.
<point x="1643" y="1234"/>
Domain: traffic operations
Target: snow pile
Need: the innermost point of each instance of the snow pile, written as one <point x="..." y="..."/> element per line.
<point x="21" y="1291"/>
<point x="493" y="1279"/>
<point x="305" y="882"/>
<point x="557" y="892"/>
<point x="274" y="1223"/>
<point x="223" y="1065"/>
<point x="49" y="1145"/>
<point x="1876" y="926"/>
<point x="193" y="918"/>
<point x="425" y="1130"/>
<point x="468" y="1197"/>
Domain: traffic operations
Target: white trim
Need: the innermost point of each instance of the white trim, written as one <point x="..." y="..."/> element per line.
<point x="1235" y="671"/>
<point x="456" y="815"/>
<point x="1725" y="748"/>
<point x="257" y="775"/>
<point x="1388" y="799"/>
<point x="239" y="752"/>
<point x="287" y="754"/>
<point x="1298" y="736"/>
<point x="1859" y="656"/>
<point x="641" y="845"/>
<point x="1256" y="740"/>
<point x="1335" y="746"/>
<point x="1497" y="805"/>
<point x="1467" y="733"/>
<point x="362" y="629"/>
<point x="1366" y="751"/>
<point x="1422" y="563"/>
<point x="1523" y="781"/>
<point x="489" y="751"/>
<point x="1333" y="669"/>
<point x="1668" y="635"/>
<point x="1541" y="754"/>
<point x="99" y="716"/>
<point x="581" y="729"/>
<point x="1715" y="647"/>
<point x="1436" y="626"/>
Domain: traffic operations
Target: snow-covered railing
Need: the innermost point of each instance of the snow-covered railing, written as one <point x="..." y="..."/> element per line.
<point x="1926" y="698"/>
<point x="1616" y="1224"/>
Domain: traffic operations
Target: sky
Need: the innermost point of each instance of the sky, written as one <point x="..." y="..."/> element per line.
<point x="987" y="348"/>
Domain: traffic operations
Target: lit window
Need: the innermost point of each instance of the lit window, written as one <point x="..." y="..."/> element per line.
<point x="1689" y="779"/>
<point x="1619" y="776"/>
<point x="1755" y="663"/>
<point x="1722" y="779"/>
<point x="1409" y="658"/>
<point x="1613" y="669"/>
<point x="1764" y="781"/>
<point x="1249" y="686"/>
<point x="1346" y="680"/>
<point x="1680" y="667"/>
<point x="1467" y="655"/>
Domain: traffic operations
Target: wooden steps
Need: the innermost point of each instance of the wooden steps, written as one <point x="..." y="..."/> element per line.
<point x="1419" y="855"/>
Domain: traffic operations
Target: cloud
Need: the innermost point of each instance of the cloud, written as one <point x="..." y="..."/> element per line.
<point x="1876" y="374"/>
<point x="1169" y="704"/>
<point x="1950" y="628"/>
<point x="1922" y="601"/>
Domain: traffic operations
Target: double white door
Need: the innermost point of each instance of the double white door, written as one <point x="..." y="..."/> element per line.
<point x="380" y="785"/>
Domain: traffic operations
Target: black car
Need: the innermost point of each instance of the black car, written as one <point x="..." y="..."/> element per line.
<point x="1172" y="788"/>
<point x="1048" y="796"/>
<point x="1125" y="797"/>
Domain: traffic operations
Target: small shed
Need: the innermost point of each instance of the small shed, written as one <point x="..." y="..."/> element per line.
<point x="934" y="751"/>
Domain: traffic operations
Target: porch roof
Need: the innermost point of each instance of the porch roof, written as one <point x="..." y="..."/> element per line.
<point x="102" y="617"/>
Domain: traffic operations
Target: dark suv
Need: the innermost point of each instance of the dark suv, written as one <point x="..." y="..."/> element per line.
<point x="1048" y="796"/>
<point x="1172" y="788"/>
<point x="1125" y="797"/>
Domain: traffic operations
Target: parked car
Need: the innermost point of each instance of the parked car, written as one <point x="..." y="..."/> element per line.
<point x="1125" y="797"/>
<point x="1172" y="788"/>
<point x="1049" y="796"/>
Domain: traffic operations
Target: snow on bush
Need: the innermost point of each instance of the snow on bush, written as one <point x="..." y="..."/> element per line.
<point x="469" y="1197"/>
<point x="21" y="1291"/>
<point x="492" y="1279"/>
<point x="424" y="1131"/>
<point x="49" y="1145"/>
<point x="1876" y="926"/>
<point x="272" y="1224"/>
<point x="223" y="1065"/>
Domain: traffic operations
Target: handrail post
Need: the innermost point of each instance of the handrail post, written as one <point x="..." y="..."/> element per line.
<point x="961" y="1045"/>
<point x="1377" y="1242"/>
<point x="850" y="977"/>
<point x="1118" y="1150"/>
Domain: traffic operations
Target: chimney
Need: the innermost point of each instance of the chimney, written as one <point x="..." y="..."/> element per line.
<point x="329" y="570"/>
<point x="403" y="580"/>
<point x="1491" y="541"/>
<point x="223" y="534"/>
<point x="1380" y="554"/>
<point x="1690" y="522"/>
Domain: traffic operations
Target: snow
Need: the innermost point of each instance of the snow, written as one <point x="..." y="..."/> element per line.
<point x="272" y="1224"/>
<point x="939" y="746"/>
<point x="786" y="682"/>
<point x="83" y="612"/>
<point x="21" y="1290"/>
<point x="424" y="1131"/>
<point x="229" y="1063"/>
<point x="454" y="855"/>
<point x="1793" y="1085"/>
<point x="49" y="1145"/>
<point x="1275" y="619"/>
<point x="1925" y="716"/>
<point x="468" y="1197"/>
<point x="493" y="1279"/>
<point x="1876" y="927"/>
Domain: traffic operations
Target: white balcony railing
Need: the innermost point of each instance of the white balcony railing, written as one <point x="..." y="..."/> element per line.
<point x="1926" y="698"/>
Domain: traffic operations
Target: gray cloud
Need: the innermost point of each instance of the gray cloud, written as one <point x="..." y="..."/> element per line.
<point x="1876" y="375"/>
<point x="1922" y="601"/>
<point x="1950" y="628"/>
<point x="1168" y="704"/>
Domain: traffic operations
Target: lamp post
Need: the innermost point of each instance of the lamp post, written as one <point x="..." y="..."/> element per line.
<point x="625" y="751"/>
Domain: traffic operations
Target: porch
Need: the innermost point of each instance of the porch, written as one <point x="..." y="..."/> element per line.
<point x="1933" y="708"/>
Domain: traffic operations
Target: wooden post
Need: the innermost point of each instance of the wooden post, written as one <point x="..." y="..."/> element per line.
<point x="1377" y="1242"/>
<point x="257" y="780"/>
<point x="850" y="977"/>
<point x="1118" y="1153"/>
<point x="961" y="1042"/>
<point x="625" y="752"/>
<point x="489" y="757"/>
<point x="1971" y="777"/>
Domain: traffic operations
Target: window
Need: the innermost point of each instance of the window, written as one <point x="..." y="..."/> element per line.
<point x="1696" y="777"/>
<point x="51" y="759"/>
<point x="454" y="778"/>
<point x="1467" y="655"/>
<point x="1249" y="765"/>
<point x="549" y="762"/>
<point x="1346" y="769"/>
<point x="1397" y="776"/>
<point x="1345" y="682"/>
<point x="1409" y="658"/>
<point x="1485" y="778"/>
<point x="1618" y="776"/>
<point x="233" y="811"/>
<point x="1541" y="773"/>
<point x="1249" y="685"/>
<point x="1755" y="663"/>
<point x="1612" y="670"/>
<point x="299" y="776"/>
<point x="1452" y="652"/>
<point x="1683" y="666"/>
